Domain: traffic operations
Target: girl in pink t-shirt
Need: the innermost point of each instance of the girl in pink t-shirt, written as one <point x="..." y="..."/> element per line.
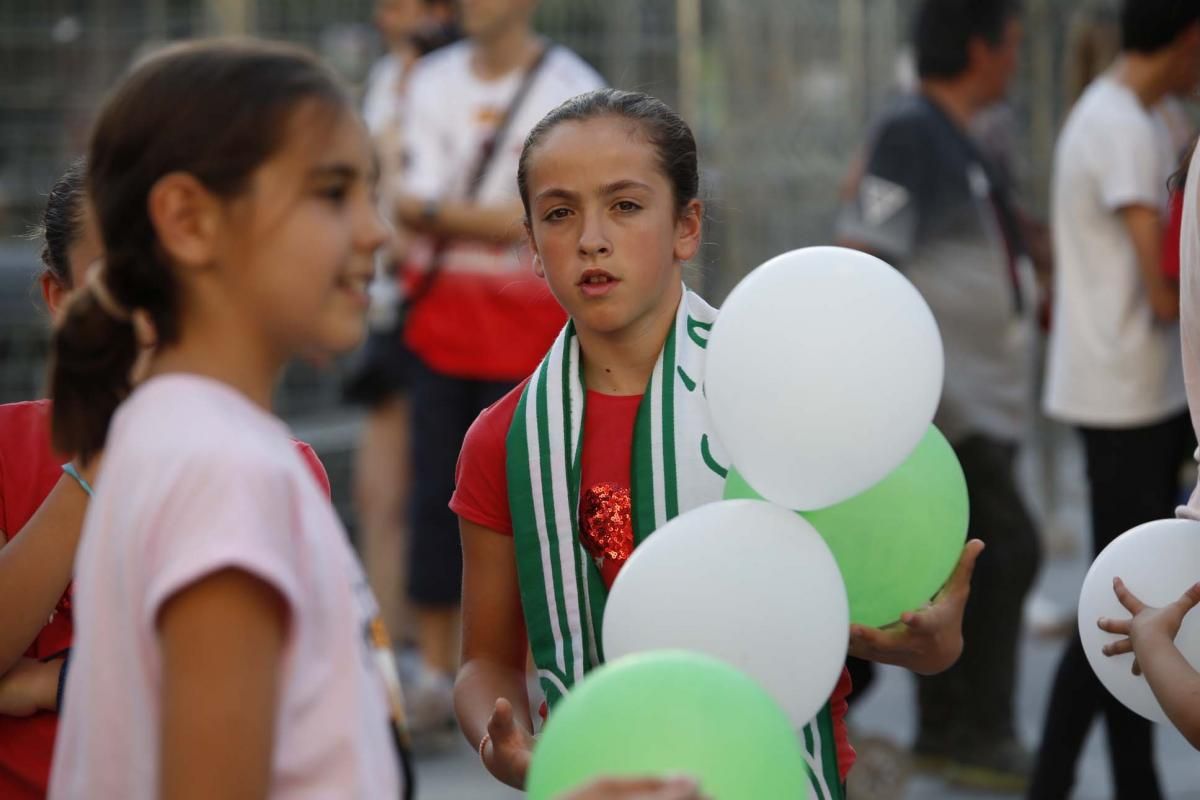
<point x="226" y="643"/>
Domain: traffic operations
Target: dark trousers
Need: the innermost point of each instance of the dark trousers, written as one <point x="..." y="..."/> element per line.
<point x="1133" y="477"/>
<point x="970" y="705"/>
<point x="443" y="408"/>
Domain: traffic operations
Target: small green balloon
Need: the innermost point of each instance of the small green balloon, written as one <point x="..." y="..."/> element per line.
<point x="898" y="542"/>
<point x="670" y="713"/>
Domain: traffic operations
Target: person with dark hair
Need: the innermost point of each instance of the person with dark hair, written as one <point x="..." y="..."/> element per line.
<point x="478" y="319"/>
<point x="42" y="505"/>
<point x="609" y="183"/>
<point x="41" y="513"/>
<point x="1114" y="368"/>
<point x="221" y="615"/>
<point x="380" y="375"/>
<point x="933" y="204"/>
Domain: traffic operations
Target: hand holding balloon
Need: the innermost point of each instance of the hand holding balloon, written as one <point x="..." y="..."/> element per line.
<point x="929" y="640"/>
<point x="509" y="747"/>
<point x="1151" y="636"/>
<point x="1149" y="628"/>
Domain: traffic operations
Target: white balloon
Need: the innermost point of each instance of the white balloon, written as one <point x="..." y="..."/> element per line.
<point x="746" y="582"/>
<point x="1158" y="562"/>
<point x="824" y="370"/>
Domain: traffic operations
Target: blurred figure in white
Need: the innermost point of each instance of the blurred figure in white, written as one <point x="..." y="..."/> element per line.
<point x="410" y="29"/>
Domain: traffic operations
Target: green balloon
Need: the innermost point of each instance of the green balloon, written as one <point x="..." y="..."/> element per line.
<point x="670" y="713"/>
<point x="898" y="542"/>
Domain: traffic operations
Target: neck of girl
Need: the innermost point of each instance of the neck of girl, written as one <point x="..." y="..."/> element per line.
<point x="497" y="56"/>
<point x="222" y="357"/>
<point x="621" y="363"/>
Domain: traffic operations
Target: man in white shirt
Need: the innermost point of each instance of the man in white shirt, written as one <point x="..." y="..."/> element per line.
<point x="1114" y="368"/>
<point x="479" y="320"/>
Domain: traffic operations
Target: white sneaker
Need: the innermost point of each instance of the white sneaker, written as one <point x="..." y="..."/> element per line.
<point x="431" y="704"/>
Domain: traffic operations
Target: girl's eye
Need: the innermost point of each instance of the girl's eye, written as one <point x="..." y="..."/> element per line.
<point x="336" y="194"/>
<point x="627" y="206"/>
<point x="556" y="214"/>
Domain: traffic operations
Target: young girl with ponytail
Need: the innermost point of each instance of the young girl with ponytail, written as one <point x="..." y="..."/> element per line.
<point x="43" y="497"/>
<point x="226" y="642"/>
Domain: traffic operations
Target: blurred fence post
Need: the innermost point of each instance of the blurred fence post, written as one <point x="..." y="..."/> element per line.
<point x="689" y="36"/>
<point x="232" y="17"/>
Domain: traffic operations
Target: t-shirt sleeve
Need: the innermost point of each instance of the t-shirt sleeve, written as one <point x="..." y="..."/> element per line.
<point x="481" y="479"/>
<point x="424" y="142"/>
<point x="313" y="462"/>
<point x="227" y="512"/>
<point x="884" y="212"/>
<point x="1126" y="166"/>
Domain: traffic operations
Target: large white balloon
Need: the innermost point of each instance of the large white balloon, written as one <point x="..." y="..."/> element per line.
<point x="746" y="582"/>
<point x="824" y="371"/>
<point x="1158" y="561"/>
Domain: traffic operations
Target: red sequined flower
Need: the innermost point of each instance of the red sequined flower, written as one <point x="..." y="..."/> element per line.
<point x="606" y="522"/>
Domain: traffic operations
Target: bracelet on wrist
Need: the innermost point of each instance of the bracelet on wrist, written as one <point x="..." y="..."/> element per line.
<point x="483" y="743"/>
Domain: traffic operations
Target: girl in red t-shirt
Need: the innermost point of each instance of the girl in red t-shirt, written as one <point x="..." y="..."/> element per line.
<point x="46" y="506"/>
<point x="608" y="439"/>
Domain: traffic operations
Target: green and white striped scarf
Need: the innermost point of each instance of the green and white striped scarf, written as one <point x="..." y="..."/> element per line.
<point x="677" y="466"/>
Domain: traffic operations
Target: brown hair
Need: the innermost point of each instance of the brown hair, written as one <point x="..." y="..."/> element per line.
<point x="216" y="110"/>
<point x="62" y="222"/>
<point x="666" y="131"/>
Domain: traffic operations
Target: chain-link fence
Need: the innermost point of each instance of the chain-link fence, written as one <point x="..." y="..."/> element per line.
<point x="780" y="93"/>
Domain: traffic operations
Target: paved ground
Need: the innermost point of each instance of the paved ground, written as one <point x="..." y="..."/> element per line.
<point x="888" y="710"/>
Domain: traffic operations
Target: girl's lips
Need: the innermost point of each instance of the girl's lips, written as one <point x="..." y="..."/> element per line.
<point x="598" y="289"/>
<point x="597" y="282"/>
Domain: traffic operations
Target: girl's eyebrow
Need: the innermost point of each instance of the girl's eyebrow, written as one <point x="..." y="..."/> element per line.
<point x="624" y="186"/>
<point x="346" y="172"/>
<point x="560" y="194"/>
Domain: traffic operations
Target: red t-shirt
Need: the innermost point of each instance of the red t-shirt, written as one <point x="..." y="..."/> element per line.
<point x="488" y="327"/>
<point x="29" y="469"/>
<point x="481" y="493"/>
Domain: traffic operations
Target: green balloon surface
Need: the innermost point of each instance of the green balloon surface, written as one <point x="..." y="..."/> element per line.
<point x="898" y="542"/>
<point x="669" y="713"/>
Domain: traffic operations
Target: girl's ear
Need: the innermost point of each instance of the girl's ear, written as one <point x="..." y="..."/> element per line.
<point x="186" y="218"/>
<point x="689" y="228"/>
<point x="53" y="293"/>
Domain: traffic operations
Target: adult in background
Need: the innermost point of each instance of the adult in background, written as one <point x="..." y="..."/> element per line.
<point x="479" y="320"/>
<point x="379" y="379"/>
<point x="933" y="204"/>
<point x="1115" y="367"/>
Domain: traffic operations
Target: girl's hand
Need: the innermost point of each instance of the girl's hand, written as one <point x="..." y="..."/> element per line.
<point x="1149" y="625"/>
<point x="29" y="687"/>
<point x="509" y="746"/>
<point x="927" y="641"/>
<point x="638" y="789"/>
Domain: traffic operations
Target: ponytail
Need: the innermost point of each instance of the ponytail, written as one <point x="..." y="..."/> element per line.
<point x="94" y="352"/>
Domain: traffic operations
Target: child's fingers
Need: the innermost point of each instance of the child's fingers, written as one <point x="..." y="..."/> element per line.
<point x="960" y="580"/>
<point x="1119" y="647"/>
<point x="501" y="722"/>
<point x="1190" y="599"/>
<point x="1137" y="668"/>
<point x="1127" y="597"/>
<point x="1110" y="625"/>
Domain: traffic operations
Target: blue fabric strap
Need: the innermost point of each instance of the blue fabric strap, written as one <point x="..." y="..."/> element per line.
<point x="69" y="469"/>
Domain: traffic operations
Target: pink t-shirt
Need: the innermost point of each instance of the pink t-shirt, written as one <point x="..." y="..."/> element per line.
<point x="1189" y="308"/>
<point x="197" y="479"/>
